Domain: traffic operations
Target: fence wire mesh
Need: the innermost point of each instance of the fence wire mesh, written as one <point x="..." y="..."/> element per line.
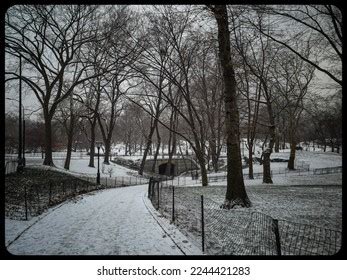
<point x="23" y="201"/>
<point x="239" y="231"/>
<point x="302" y="169"/>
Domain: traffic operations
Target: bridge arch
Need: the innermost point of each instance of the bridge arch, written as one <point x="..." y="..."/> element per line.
<point x="163" y="169"/>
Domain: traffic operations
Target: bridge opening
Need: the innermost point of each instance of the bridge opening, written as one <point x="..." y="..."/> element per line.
<point x="164" y="169"/>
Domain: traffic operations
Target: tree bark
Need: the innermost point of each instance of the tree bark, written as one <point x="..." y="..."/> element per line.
<point x="236" y="192"/>
<point x="202" y="164"/>
<point x="107" y="151"/>
<point x="70" y="135"/>
<point x="266" y="155"/>
<point x="48" y="141"/>
<point x="147" y="149"/>
<point x="250" y="160"/>
<point x="156" y="153"/>
<point x="292" y="155"/>
<point x="92" y="143"/>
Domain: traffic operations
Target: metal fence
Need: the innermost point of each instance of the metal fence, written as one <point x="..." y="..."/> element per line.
<point x="119" y="181"/>
<point x="25" y="200"/>
<point x="327" y="170"/>
<point x="238" y="231"/>
<point x="303" y="170"/>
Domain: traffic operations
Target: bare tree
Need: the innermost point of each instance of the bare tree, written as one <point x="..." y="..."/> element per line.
<point x="236" y="193"/>
<point x="251" y="93"/>
<point x="292" y="78"/>
<point x="50" y="39"/>
<point x="260" y="60"/>
<point x="208" y="87"/>
<point x="68" y="116"/>
<point x="317" y="25"/>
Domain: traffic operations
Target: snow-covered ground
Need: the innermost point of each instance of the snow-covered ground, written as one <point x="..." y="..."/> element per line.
<point x="118" y="221"/>
<point x="109" y="222"/>
<point x="314" y="159"/>
<point x="79" y="165"/>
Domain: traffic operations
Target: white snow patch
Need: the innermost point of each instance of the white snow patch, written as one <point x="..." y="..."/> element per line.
<point x="108" y="222"/>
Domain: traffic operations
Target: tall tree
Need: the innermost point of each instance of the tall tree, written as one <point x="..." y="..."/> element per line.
<point x="236" y="193"/>
<point x="49" y="39"/>
<point x="292" y="78"/>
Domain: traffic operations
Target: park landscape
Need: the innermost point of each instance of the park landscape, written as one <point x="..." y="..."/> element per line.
<point x="173" y="130"/>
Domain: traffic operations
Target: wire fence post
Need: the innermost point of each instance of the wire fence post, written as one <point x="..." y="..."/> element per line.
<point x="158" y="194"/>
<point x="202" y="225"/>
<point x="26" y="202"/>
<point x="277" y="235"/>
<point x="149" y="187"/>
<point x="173" y="203"/>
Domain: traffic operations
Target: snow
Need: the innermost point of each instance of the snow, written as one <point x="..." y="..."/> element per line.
<point x="80" y="166"/>
<point x="123" y="222"/>
<point x="314" y="159"/>
<point x="109" y="222"/>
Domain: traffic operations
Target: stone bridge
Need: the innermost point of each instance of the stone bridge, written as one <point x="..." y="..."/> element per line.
<point x="178" y="166"/>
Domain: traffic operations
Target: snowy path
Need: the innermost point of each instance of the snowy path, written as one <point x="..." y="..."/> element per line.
<point x="110" y="222"/>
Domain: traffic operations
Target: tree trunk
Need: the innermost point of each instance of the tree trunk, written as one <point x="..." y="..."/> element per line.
<point x="147" y="150"/>
<point x="250" y="160"/>
<point x="284" y="141"/>
<point x="292" y="155"/>
<point x="236" y="192"/>
<point x="202" y="165"/>
<point x="266" y="167"/>
<point x="214" y="156"/>
<point x="107" y="151"/>
<point x="70" y="135"/>
<point x="156" y="150"/>
<point x="48" y="142"/>
<point x="92" y="144"/>
<point x="267" y="153"/>
<point x="277" y="143"/>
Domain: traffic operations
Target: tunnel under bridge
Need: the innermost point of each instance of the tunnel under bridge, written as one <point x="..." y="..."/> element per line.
<point x="177" y="166"/>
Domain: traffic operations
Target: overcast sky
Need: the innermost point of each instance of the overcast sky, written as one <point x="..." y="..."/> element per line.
<point x="31" y="103"/>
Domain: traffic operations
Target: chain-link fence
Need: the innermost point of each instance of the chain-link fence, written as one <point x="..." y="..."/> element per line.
<point x="303" y="170"/>
<point x="26" y="198"/>
<point x="118" y="181"/>
<point x="239" y="231"/>
<point x="24" y="201"/>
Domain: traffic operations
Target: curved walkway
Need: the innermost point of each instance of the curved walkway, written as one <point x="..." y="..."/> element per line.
<point x="109" y="222"/>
